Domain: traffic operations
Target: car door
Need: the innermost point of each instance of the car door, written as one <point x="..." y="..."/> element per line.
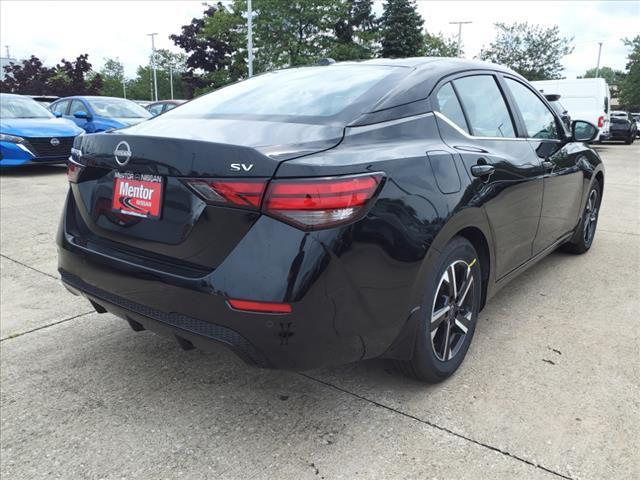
<point x="475" y="119"/>
<point x="563" y="178"/>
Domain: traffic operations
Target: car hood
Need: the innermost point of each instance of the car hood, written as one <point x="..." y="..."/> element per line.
<point x="39" y="127"/>
<point x="276" y="139"/>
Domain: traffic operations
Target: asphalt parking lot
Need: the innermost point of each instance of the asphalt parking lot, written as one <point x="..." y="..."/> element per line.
<point x="550" y="388"/>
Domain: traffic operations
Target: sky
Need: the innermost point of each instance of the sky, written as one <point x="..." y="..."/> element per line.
<point x="52" y="30"/>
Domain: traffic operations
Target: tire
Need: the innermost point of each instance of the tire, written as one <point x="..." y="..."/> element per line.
<point x="584" y="234"/>
<point x="434" y="359"/>
<point x="629" y="140"/>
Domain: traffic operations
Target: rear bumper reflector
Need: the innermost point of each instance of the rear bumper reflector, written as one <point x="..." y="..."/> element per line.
<point x="259" y="307"/>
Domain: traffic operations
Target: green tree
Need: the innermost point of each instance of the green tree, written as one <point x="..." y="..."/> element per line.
<point x="401" y="30"/>
<point x="294" y="33"/>
<point x="356" y="32"/>
<point x="141" y="87"/>
<point x="630" y="86"/>
<point x="613" y="77"/>
<point x="534" y="51"/>
<point x="439" y="46"/>
<point x="112" y="73"/>
<point x="206" y="53"/>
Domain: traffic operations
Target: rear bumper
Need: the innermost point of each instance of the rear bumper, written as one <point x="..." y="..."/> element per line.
<point x="324" y="327"/>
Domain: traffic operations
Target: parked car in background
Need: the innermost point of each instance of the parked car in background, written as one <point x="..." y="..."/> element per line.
<point x="636" y="117"/>
<point x="585" y="99"/>
<point x="31" y="134"/>
<point x="45" y="100"/>
<point x="162" y="106"/>
<point x="143" y="103"/>
<point x="563" y="113"/>
<point x="623" y="127"/>
<point x="322" y="215"/>
<point x="97" y="114"/>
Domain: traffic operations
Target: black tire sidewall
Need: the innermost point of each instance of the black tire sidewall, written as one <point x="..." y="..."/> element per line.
<point x="425" y="364"/>
<point x="594" y="186"/>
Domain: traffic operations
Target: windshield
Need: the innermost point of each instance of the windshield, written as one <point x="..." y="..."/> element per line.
<point x="309" y="91"/>
<point x="116" y="108"/>
<point x="21" y="107"/>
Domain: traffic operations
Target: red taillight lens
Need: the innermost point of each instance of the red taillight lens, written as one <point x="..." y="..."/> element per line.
<point x="600" y="122"/>
<point x="260" y="307"/>
<point x="320" y="202"/>
<point x="232" y="192"/>
<point x="73" y="171"/>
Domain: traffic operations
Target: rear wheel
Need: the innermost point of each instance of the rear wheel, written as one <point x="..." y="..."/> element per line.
<point x="449" y="314"/>
<point x="586" y="230"/>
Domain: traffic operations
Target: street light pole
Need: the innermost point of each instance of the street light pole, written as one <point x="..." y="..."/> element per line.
<point x="598" y="65"/>
<point x="459" y="34"/>
<point x="250" y="38"/>
<point x="124" y="87"/>
<point x="153" y="64"/>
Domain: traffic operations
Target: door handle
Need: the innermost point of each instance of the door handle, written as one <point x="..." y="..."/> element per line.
<point x="482" y="171"/>
<point x="547" y="165"/>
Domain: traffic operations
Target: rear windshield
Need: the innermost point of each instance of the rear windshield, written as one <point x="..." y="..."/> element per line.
<point x="22" y="107"/>
<point x="310" y="91"/>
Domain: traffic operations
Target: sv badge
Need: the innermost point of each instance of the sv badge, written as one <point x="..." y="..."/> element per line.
<point x="241" y="167"/>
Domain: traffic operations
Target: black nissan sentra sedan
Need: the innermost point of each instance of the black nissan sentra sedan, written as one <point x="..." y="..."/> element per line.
<point x="327" y="214"/>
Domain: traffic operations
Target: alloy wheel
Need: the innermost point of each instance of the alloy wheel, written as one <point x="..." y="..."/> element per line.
<point x="452" y="311"/>
<point x="590" y="217"/>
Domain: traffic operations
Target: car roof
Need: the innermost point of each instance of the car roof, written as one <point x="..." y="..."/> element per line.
<point x="423" y="74"/>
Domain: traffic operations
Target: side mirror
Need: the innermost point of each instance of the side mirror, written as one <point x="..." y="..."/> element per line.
<point x="58" y="114"/>
<point x="81" y="114"/>
<point x="582" y="131"/>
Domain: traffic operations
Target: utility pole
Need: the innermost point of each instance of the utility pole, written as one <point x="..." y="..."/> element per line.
<point x="598" y="65"/>
<point x="153" y="63"/>
<point x="124" y="87"/>
<point x="250" y="38"/>
<point x="171" y="78"/>
<point x="459" y="34"/>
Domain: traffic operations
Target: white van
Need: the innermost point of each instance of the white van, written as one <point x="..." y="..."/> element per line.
<point x="585" y="99"/>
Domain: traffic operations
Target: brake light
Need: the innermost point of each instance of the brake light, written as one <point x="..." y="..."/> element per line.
<point x="600" y="122"/>
<point x="313" y="203"/>
<point x="73" y="171"/>
<point x="260" y="307"/>
<point x="245" y="193"/>
<point x="308" y="203"/>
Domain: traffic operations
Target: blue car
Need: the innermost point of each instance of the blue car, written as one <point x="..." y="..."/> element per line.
<point x="31" y="134"/>
<point x="97" y="114"/>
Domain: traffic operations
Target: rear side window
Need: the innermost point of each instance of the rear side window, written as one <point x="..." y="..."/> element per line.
<point x="485" y="107"/>
<point x="538" y="119"/>
<point x="449" y="105"/>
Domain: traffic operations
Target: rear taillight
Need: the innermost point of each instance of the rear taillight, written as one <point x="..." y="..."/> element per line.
<point x="73" y="171"/>
<point x="308" y="203"/>
<point x="232" y="192"/>
<point x="600" y="122"/>
<point x="314" y="203"/>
